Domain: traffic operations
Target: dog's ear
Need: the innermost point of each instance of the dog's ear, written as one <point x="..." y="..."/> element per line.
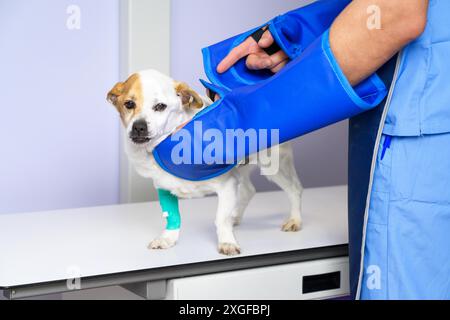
<point x="189" y="97"/>
<point x="115" y="93"/>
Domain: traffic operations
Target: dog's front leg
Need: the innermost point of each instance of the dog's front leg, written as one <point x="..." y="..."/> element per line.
<point x="227" y="204"/>
<point x="169" y="205"/>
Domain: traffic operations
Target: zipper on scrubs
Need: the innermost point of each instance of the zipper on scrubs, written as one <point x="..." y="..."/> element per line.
<point x="372" y="169"/>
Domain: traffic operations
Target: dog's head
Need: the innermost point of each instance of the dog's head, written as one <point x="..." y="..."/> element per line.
<point x="152" y="106"/>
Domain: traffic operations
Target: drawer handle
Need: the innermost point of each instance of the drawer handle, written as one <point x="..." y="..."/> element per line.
<point x="322" y="282"/>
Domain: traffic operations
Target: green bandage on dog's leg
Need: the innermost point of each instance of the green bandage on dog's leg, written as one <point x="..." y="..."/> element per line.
<point x="171" y="211"/>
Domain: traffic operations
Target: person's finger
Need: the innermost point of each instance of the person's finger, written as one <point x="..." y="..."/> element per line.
<point x="266" y="40"/>
<point x="276" y="59"/>
<point x="280" y="66"/>
<point x="235" y="55"/>
<point x="262" y="60"/>
<point x="258" y="61"/>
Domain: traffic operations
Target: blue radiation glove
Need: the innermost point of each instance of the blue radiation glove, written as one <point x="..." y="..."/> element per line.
<point x="310" y="93"/>
<point x="293" y="33"/>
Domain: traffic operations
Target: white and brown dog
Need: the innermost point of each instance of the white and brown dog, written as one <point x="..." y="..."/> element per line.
<point x="152" y="106"/>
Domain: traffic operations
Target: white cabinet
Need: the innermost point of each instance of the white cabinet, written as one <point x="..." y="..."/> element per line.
<point x="319" y="279"/>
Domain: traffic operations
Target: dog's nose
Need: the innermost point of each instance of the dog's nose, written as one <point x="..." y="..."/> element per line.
<point x="140" y="129"/>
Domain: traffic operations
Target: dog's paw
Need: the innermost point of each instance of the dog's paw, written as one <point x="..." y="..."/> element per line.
<point x="292" y="225"/>
<point x="229" y="249"/>
<point x="161" y="243"/>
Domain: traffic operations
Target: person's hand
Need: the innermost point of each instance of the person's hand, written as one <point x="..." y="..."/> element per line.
<point x="257" y="58"/>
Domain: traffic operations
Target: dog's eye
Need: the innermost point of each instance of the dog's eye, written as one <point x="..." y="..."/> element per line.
<point x="130" y="105"/>
<point x="160" y="107"/>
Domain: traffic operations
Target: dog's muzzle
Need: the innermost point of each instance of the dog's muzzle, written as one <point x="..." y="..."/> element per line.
<point x="139" y="133"/>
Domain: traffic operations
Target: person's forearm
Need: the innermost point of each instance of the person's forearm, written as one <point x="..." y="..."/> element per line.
<point x="360" y="47"/>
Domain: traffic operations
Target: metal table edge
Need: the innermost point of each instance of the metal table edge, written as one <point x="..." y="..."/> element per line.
<point x="178" y="271"/>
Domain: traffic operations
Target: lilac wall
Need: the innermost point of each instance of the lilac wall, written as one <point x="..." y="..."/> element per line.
<point x="321" y="157"/>
<point x="58" y="137"/>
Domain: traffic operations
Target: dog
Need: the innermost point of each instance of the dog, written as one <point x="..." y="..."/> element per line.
<point x="155" y="106"/>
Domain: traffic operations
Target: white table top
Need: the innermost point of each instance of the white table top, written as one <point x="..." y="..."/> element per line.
<point x="43" y="247"/>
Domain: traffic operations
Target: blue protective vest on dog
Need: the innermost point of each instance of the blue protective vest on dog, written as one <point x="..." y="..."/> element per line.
<point x="311" y="92"/>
